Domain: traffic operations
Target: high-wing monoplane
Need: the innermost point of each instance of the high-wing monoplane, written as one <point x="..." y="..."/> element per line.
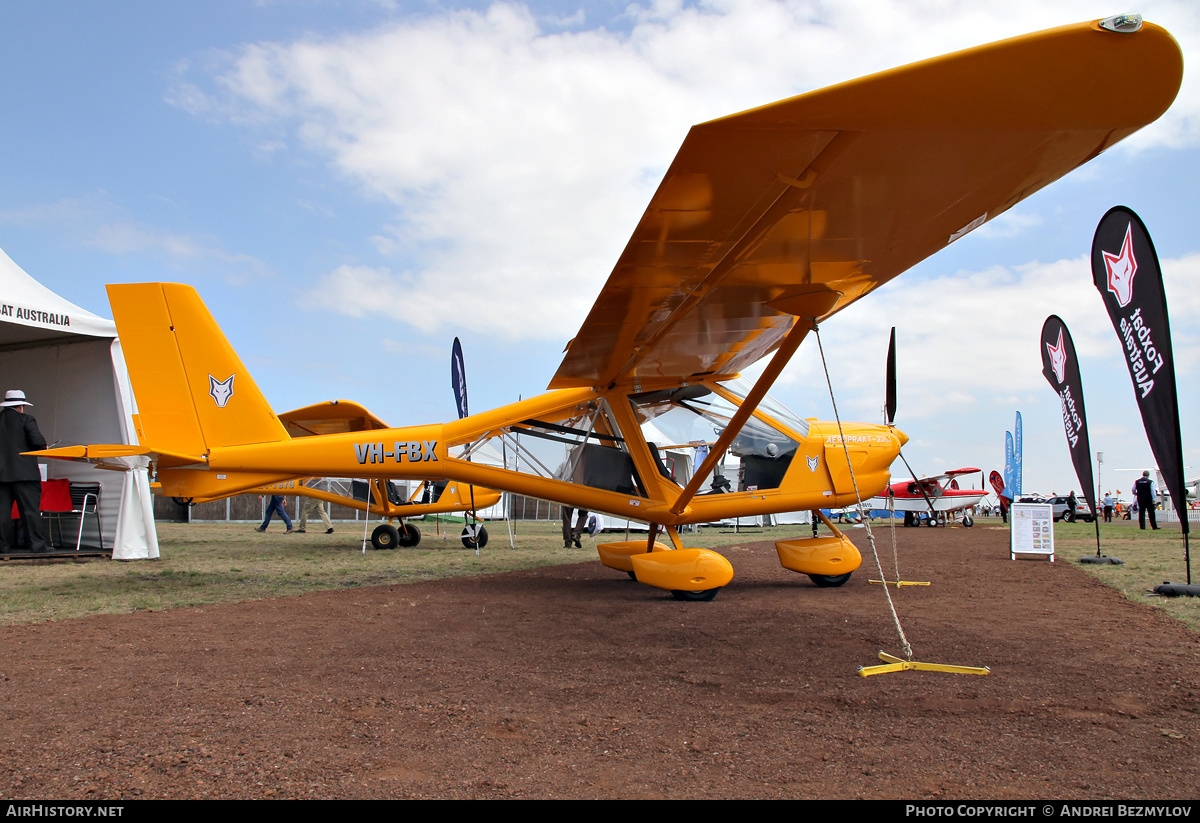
<point x="930" y="499"/>
<point x="767" y="224"/>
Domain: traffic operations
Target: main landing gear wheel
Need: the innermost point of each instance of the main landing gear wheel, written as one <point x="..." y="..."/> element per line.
<point x="410" y="536"/>
<point x="829" y="581"/>
<point x="632" y="576"/>
<point x="481" y="536"/>
<point x="695" y="597"/>
<point x="931" y="521"/>
<point x="385" y="537"/>
<point x="968" y="521"/>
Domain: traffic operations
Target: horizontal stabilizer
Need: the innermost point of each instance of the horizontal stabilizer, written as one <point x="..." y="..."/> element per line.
<point x="105" y="451"/>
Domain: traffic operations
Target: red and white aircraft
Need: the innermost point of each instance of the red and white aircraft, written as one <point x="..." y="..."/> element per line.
<point x="936" y="497"/>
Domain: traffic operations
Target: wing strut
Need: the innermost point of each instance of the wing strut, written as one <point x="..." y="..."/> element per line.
<point x="784" y="353"/>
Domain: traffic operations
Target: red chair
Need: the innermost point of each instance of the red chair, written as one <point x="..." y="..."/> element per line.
<point x="61" y="498"/>
<point x="56" y="496"/>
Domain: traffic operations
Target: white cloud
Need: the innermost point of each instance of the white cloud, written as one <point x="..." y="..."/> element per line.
<point x="98" y="222"/>
<point x="1010" y="224"/>
<point x="517" y="156"/>
<point x="178" y="250"/>
<point x="972" y="336"/>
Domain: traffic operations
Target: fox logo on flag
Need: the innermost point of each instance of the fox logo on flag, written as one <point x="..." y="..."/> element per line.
<point x="1121" y="269"/>
<point x="1058" y="359"/>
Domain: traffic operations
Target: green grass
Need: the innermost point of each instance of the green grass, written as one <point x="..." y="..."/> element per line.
<point x="1151" y="557"/>
<point x="206" y="563"/>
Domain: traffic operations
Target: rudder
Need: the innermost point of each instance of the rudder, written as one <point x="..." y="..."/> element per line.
<point x="193" y="392"/>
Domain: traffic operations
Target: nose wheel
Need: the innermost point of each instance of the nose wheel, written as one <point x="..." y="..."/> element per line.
<point x="474" y="536"/>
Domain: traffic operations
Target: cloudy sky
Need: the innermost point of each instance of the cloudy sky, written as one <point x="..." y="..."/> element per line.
<point x="350" y="185"/>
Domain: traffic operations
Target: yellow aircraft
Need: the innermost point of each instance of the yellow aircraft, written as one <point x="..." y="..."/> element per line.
<point x="768" y="222"/>
<point x="374" y="496"/>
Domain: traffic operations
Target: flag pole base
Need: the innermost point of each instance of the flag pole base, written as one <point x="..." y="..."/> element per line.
<point x="1176" y="590"/>
<point x="1103" y="560"/>
<point x="895" y="664"/>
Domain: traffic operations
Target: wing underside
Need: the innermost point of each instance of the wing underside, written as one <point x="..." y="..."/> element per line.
<point x="835" y="192"/>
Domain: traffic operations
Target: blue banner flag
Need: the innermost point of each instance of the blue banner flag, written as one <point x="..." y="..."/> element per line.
<point x="1008" y="466"/>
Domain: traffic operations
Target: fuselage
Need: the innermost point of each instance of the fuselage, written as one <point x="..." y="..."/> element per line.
<point x="589" y="449"/>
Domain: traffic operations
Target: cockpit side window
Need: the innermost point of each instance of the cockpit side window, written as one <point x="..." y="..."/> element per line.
<point x="691" y="418"/>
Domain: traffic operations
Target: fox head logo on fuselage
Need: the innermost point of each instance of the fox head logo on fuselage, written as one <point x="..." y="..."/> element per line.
<point x="220" y="390"/>
<point x="1058" y="359"/>
<point x="1121" y="269"/>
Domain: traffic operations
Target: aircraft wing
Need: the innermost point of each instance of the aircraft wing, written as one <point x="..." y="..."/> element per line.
<point x="801" y="207"/>
<point x="334" y="417"/>
<point x="935" y="481"/>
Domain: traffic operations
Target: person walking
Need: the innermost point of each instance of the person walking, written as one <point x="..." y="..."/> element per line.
<point x="276" y="506"/>
<point x="317" y="507"/>
<point x="571" y="534"/>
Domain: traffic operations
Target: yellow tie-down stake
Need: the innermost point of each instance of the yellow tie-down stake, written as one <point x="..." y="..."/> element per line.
<point x="895" y="664"/>
<point x="898" y="583"/>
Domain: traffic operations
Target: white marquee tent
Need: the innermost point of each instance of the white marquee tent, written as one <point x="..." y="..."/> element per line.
<point x="68" y="362"/>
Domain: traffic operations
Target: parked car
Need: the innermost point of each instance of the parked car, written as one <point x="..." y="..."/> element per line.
<point x="1082" y="510"/>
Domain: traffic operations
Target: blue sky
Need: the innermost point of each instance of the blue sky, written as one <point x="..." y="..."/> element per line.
<point x="350" y="185"/>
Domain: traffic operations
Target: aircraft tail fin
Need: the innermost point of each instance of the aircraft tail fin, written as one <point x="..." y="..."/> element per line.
<point x="192" y="390"/>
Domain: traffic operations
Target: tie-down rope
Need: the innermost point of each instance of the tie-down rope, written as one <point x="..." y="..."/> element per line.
<point x="858" y="497"/>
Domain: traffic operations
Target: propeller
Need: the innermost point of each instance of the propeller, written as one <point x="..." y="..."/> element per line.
<point x="890" y="413"/>
<point x="890" y="403"/>
<point x="458" y="382"/>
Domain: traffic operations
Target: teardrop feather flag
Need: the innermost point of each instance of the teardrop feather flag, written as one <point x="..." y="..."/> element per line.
<point x="1061" y="369"/>
<point x="1126" y="272"/>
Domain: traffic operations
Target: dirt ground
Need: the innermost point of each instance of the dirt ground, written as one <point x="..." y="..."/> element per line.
<point x="576" y="682"/>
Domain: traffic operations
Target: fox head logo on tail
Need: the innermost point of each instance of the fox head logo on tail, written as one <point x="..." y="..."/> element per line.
<point x="220" y="390"/>
<point x="1121" y="269"/>
<point x="1058" y="359"/>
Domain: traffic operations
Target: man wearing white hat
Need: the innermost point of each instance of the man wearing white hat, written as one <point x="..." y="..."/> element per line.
<point x="20" y="479"/>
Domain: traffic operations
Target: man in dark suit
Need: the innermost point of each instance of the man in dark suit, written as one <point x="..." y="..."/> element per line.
<point x="1144" y="491"/>
<point x="20" y="479"/>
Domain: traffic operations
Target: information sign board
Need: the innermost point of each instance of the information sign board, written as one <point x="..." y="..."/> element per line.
<point x="1031" y="529"/>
